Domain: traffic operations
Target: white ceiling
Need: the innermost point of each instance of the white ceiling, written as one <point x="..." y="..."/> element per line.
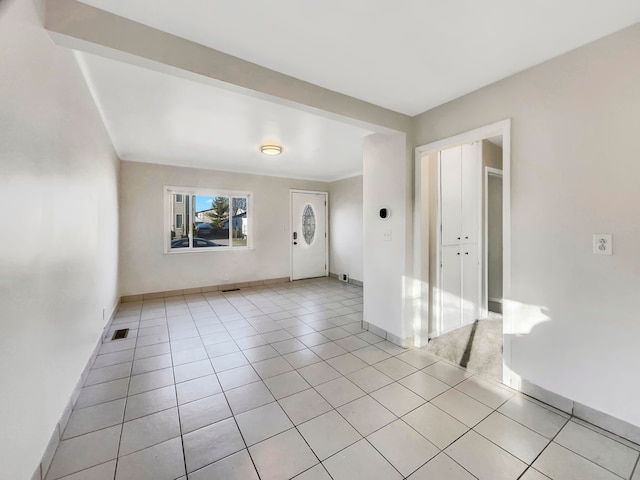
<point x="158" y="118"/>
<point x="408" y="56"/>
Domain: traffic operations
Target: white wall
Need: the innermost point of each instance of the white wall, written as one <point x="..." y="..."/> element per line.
<point x="575" y="172"/>
<point x="58" y="242"/>
<point x="145" y="268"/>
<point x="386" y="180"/>
<point x="345" y="227"/>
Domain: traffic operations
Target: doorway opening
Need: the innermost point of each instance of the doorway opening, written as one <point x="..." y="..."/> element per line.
<point x="461" y="249"/>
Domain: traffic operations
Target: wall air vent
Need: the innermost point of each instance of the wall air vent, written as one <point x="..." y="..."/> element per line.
<point x="120" y="334"/>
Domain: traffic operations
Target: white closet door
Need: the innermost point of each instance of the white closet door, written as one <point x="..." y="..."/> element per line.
<point x="450" y="193"/>
<point x="451" y="288"/>
<point x="470" y="283"/>
<point x="471" y="174"/>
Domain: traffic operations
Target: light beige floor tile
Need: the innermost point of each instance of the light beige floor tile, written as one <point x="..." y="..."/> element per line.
<point x="234" y="467"/>
<point x="85" y="451"/>
<point x="400" y="400"/>
<point x="515" y="438"/>
<point x="237" y="377"/>
<point x="192" y="370"/>
<point x="283" y="456"/>
<point x="197" y="388"/>
<point x="403" y="447"/>
<point x="97" y="417"/>
<point x="287" y="346"/>
<point x="484" y="459"/>
<point x="107" y="374"/>
<point x="272" y="367"/>
<point x="360" y="460"/>
<point x="370" y="337"/>
<point x="366" y="415"/>
<point x="151" y="381"/>
<point x="150" y="402"/>
<point x="371" y="354"/>
<point x="347" y="363"/>
<point x="369" y="379"/>
<point x="103" y="392"/>
<point x="462" y="407"/>
<point x="339" y="391"/>
<point x="328" y="434"/>
<point x="447" y="373"/>
<point x="228" y="361"/>
<point x="426" y="386"/>
<point x="223" y="348"/>
<point x="328" y="350"/>
<point x="435" y="425"/>
<point x="188" y="356"/>
<point x="318" y="373"/>
<point x="441" y="467"/>
<point x="164" y="461"/>
<point x="394" y="368"/>
<point x="532" y="474"/>
<point x="302" y="358"/>
<point x="259" y="354"/>
<point x="485" y="392"/>
<point x="211" y="443"/>
<point x="263" y="422"/>
<point x="150" y="430"/>
<point x="104" y="471"/>
<point x="152" y="350"/>
<point x="418" y="358"/>
<point x="604" y="451"/>
<point x="534" y="416"/>
<point x="304" y="406"/>
<point x="286" y="384"/>
<point x="314" y="473"/>
<point x="203" y="412"/>
<point x="335" y="333"/>
<point x="248" y="397"/>
<point x="559" y="462"/>
<point x="351" y="343"/>
<point x="114" y="358"/>
<point x="277" y="336"/>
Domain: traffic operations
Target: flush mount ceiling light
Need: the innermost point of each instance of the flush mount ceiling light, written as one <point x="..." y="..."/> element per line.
<point x="271" y="149"/>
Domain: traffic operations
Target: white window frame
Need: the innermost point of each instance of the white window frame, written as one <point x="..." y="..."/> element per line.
<point x="169" y="190"/>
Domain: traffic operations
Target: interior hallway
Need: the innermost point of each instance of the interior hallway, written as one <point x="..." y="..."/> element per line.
<point x="280" y="381"/>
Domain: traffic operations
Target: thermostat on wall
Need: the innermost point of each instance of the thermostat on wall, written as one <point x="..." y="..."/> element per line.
<point x="385" y="212"/>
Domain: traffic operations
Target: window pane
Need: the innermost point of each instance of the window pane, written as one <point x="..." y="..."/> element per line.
<point x="308" y="224"/>
<point x="179" y="229"/>
<point x="211" y="222"/>
<point x="239" y="222"/>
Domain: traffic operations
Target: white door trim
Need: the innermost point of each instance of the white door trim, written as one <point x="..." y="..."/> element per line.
<point x="421" y="238"/>
<point x="496" y="172"/>
<point x="326" y="229"/>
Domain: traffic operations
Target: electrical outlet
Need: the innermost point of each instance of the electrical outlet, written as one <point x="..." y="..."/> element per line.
<point x="386" y="236"/>
<point x="225" y="277"/>
<point x="602" y="244"/>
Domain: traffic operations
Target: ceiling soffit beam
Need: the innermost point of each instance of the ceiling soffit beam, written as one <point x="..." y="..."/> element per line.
<point x="78" y="26"/>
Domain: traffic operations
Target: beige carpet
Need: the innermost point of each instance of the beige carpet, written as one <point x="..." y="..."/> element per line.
<point x="478" y="347"/>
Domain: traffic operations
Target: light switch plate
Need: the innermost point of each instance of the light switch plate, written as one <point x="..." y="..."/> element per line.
<point x="602" y="244"/>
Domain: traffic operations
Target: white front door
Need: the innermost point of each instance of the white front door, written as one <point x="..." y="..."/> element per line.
<point x="308" y="235"/>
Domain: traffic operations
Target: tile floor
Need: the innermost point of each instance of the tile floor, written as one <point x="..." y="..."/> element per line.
<point x="281" y="382"/>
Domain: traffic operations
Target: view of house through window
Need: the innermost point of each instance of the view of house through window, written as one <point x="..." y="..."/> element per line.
<point x="207" y="219"/>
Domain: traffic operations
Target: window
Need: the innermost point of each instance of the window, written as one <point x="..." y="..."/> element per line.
<point x="206" y="220"/>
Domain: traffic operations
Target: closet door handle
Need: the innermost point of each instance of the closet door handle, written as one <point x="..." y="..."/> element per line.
<point x="466" y="238"/>
<point x="466" y="253"/>
<point x="458" y="238"/>
<point x="458" y="253"/>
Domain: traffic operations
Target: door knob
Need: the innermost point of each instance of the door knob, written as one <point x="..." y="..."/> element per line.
<point x="295" y="243"/>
